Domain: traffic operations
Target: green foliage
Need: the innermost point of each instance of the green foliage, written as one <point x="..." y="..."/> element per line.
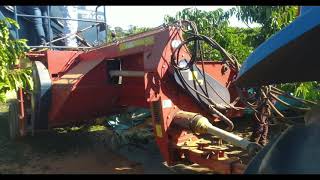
<point x="11" y="53"/>
<point x="121" y="33"/>
<point x="238" y="41"/>
<point x="215" y="24"/>
<point x="271" y="18"/>
<point x="306" y="90"/>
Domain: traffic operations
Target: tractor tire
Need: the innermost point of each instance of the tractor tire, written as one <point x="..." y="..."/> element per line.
<point x="13" y="119"/>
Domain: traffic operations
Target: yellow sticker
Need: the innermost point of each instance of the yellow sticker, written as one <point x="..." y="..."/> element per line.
<point x="159" y="130"/>
<point x="139" y="42"/>
<point x="193" y="76"/>
<point x="200" y="81"/>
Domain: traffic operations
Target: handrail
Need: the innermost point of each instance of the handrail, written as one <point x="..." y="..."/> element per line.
<point x="49" y="27"/>
<point x="105" y="21"/>
<point x="16" y="18"/>
<point x="97" y="20"/>
<point x="50" y="17"/>
<point x="71" y="35"/>
<point x="62" y="47"/>
<point x="74" y="34"/>
<point x="16" y="15"/>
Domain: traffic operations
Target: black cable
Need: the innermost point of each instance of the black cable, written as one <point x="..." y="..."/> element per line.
<point x="192" y="60"/>
<point x="196" y="38"/>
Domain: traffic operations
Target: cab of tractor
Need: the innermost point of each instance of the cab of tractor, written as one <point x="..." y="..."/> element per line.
<point x="90" y="20"/>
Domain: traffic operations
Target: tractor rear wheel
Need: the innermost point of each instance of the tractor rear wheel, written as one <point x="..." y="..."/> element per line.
<point x="13" y="119"/>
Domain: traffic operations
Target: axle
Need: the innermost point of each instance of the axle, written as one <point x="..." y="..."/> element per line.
<point x="201" y="125"/>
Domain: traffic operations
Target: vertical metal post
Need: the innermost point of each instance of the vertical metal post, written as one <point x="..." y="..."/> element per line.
<point x="97" y="26"/>
<point x="105" y="22"/>
<point x="49" y="26"/>
<point x="21" y="115"/>
<point x="16" y="19"/>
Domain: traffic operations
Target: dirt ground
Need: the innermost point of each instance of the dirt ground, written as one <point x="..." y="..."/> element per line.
<point x="84" y="152"/>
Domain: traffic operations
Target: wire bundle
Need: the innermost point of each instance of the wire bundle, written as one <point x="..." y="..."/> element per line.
<point x="197" y="56"/>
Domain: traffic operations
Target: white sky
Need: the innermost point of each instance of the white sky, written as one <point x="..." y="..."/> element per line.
<point x="152" y="16"/>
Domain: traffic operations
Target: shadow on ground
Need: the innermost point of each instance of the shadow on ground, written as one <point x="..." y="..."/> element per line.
<point x="78" y="150"/>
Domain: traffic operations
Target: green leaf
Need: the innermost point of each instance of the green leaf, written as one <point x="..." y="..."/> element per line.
<point x="12" y="22"/>
<point x="11" y="52"/>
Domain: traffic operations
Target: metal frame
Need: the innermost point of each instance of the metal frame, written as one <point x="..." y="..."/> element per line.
<point x="16" y="15"/>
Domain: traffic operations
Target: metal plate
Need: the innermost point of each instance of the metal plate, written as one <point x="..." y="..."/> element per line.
<point x="217" y="92"/>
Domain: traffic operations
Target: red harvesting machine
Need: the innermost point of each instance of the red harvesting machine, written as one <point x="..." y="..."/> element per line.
<point x="187" y="97"/>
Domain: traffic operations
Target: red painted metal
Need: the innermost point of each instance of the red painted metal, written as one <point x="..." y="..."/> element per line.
<point x="228" y="166"/>
<point x="81" y="90"/>
<point x="60" y="61"/>
<point x="21" y="109"/>
<point x="22" y="113"/>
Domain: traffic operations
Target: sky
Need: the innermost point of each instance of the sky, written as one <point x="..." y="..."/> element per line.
<point x="153" y="16"/>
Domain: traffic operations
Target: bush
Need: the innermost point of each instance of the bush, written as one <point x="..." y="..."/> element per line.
<point x="12" y="52"/>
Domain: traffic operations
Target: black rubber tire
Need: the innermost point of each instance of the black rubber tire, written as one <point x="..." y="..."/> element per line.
<point x="13" y="119"/>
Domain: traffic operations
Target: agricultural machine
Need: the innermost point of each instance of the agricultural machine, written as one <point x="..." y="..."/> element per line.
<point x="188" y="97"/>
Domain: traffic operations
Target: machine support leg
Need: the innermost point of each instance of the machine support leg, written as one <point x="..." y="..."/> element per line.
<point x="21" y="115"/>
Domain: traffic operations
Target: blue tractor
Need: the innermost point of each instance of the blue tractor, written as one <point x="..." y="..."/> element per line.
<point x="91" y="24"/>
<point x="290" y="55"/>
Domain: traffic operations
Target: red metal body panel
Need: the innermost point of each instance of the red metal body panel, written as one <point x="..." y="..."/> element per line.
<point x="79" y="75"/>
<point x="77" y="97"/>
<point x="59" y="61"/>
